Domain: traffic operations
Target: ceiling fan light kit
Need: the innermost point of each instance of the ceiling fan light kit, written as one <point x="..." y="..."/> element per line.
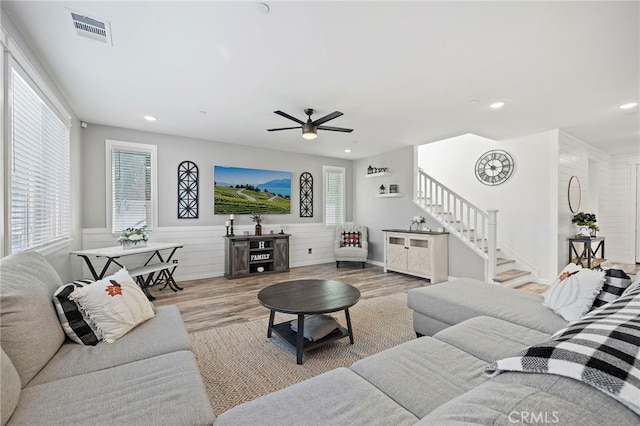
<point x="311" y="127"/>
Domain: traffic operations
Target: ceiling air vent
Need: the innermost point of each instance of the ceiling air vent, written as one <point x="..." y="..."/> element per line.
<point x="91" y="28"/>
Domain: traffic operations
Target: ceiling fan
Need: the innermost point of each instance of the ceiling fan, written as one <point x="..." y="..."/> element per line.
<point x="310" y="128"/>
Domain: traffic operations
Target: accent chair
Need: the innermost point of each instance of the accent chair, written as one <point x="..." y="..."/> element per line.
<point x="351" y="244"/>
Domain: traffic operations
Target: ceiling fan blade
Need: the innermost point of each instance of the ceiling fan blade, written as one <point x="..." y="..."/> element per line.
<point x="290" y="117"/>
<point x="284" y="128"/>
<point x="334" y="114"/>
<point x="335" y="129"/>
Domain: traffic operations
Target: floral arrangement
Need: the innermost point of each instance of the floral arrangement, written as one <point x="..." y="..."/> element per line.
<point x="258" y="218"/>
<point x="586" y="219"/>
<point x="417" y="220"/>
<point x="133" y="236"/>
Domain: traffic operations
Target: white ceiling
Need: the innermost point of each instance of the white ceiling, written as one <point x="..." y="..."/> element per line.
<point x="403" y="73"/>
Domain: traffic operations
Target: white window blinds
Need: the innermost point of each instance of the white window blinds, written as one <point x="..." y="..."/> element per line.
<point x="132" y="185"/>
<point x="334" y="195"/>
<point x="40" y="186"/>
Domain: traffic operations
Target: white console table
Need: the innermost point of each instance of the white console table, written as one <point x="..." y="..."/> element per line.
<point x="421" y="253"/>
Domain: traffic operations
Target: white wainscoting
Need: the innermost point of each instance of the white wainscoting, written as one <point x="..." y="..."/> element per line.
<point x="203" y="253"/>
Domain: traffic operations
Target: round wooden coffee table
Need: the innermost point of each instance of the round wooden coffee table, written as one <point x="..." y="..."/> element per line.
<point x="308" y="297"/>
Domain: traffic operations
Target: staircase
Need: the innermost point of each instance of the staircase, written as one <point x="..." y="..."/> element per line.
<point x="476" y="228"/>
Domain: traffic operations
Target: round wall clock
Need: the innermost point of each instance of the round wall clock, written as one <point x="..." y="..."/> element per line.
<point x="494" y="167"/>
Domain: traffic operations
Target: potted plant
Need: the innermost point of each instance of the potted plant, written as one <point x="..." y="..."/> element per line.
<point x="586" y="223"/>
<point x="133" y="237"/>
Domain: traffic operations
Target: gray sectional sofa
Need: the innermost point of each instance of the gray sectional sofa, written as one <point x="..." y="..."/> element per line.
<point x="149" y="376"/>
<point x="439" y="379"/>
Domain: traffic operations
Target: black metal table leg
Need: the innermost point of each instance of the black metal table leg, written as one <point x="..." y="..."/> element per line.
<point x="300" y="339"/>
<point x="349" y="329"/>
<point x="272" y="316"/>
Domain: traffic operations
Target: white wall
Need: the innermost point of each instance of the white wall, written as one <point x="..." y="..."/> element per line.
<point x="607" y="182"/>
<point x="172" y="150"/>
<point x="527" y="203"/>
<point x="389" y="213"/>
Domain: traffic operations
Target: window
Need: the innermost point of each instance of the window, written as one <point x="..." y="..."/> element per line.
<point x="39" y="175"/>
<point x="131" y="187"/>
<point x="334" y="183"/>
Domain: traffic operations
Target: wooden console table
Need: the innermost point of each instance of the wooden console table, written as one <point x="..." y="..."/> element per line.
<point x="255" y="254"/>
<point x="420" y="253"/>
<point x="593" y="247"/>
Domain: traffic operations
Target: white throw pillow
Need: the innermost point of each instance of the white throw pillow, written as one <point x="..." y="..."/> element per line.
<point x="572" y="294"/>
<point x="115" y="305"/>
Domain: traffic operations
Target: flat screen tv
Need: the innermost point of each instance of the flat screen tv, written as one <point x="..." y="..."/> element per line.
<point x="244" y="191"/>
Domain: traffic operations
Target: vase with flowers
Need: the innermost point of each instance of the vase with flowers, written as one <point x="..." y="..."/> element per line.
<point x="586" y="223"/>
<point x="133" y="237"/>
<point x="257" y="218"/>
<point x="417" y="220"/>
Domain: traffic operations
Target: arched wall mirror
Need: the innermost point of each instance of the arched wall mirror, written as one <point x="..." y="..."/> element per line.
<point x="575" y="194"/>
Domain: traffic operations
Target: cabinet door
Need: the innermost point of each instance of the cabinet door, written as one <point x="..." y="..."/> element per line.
<point x="396" y="253"/>
<point x="419" y="256"/>
<point x="240" y="258"/>
<point x="281" y="254"/>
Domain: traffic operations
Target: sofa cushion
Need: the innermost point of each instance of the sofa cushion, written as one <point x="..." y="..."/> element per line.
<point x="30" y="332"/>
<point x="74" y="322"/>
<point x="600" y="349"/>
<point x="517" y="398"/>
<point x="165" y="333"/>
<point x="573" y="292"/>
<point x="616" y="281"/>
<point x="163" y="390"/>
<point x="10" y="389"/>
<point x="114" y="305"/>
<point x="490" y="338"/>
<point x="457" y="300"/>
<point x="422" y="374"/>
<point x="337" y="397"/>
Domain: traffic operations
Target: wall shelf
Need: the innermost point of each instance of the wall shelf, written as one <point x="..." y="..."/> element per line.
<point x="375" y="175"/>
<point x="389" y="195"/>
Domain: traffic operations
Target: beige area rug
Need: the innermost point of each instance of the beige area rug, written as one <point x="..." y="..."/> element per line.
<point x="239" y="363"/>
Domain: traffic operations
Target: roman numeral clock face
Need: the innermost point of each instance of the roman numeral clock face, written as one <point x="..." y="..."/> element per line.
<point x="494" y="167"/>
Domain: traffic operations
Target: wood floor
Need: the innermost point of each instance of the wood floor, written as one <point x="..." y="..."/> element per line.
<point x="218" y="301"/>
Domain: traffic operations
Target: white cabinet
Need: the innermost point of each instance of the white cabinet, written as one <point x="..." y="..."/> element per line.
<point x="423" y="254"/>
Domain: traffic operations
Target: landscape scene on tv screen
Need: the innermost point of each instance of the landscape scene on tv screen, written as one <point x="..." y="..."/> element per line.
<point x="245" y="191"/>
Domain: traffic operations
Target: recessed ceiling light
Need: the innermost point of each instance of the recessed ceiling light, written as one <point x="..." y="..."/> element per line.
<point x="629" y="105"/>
<point x="150" y="117"/>
<point x="262" y="8"/>
<point x="347" y="151"/>
<point x="497" y="105"/>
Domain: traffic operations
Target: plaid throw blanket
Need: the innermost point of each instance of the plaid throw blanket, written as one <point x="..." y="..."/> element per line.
<point x="601" y="349"/>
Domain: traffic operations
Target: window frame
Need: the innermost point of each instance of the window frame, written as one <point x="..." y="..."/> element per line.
<point x="110" y="145"/>
<point x="342" y="171"/>
<point x="15" y="61"/>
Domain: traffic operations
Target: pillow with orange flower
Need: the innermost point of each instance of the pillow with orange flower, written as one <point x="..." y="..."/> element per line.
<point x="115" y="305"/>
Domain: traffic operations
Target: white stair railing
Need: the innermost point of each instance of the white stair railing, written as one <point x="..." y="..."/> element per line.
<point x="475" y="227"/>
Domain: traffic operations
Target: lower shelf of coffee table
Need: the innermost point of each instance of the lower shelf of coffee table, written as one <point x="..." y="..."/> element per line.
<point x="284" y="330"/>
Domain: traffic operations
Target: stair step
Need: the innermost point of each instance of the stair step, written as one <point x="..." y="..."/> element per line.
<point x="502" y="261"/>
<point x="509" y="275"/>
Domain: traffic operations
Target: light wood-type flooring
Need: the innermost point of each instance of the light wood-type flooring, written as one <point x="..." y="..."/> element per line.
<point x="214" y="302"/>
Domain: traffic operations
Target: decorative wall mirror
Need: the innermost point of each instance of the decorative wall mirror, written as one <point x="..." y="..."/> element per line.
<point x="575" y="194"/>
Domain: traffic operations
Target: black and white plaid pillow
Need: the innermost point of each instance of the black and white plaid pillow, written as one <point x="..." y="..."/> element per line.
<point x="615" y="283"/>
<point x="75" y="324"/>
